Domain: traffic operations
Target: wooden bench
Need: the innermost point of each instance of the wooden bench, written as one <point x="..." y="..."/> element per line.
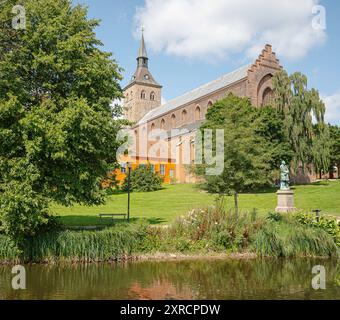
<point x="112" y="215"/>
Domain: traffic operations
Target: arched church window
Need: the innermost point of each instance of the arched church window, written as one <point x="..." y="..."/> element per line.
<point x="152" y="96"/>
<point x="184" y="116"/>
<point x="173" y="121"/>
<point x="198" y="113"/>
<point x="268" y="97"/>
<point x="163" y="124"/>
<point x="127" y="97"/>
<point x="143" y="95"/>
<point x="152" y="126"/>
<point x="209" y="104"/>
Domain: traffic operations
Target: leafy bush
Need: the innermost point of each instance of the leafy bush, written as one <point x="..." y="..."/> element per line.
<point x="23" y="212"/>
<point x="223" y="239"/>
<point x="274" y="216"/>
<point x="329" y="225"/>
<point x="143" y="179"/>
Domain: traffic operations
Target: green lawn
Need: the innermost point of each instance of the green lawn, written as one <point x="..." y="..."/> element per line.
<point x="162" y="206"/>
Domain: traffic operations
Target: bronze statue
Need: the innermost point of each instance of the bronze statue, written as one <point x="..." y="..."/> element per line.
<point x="284" y="185"/>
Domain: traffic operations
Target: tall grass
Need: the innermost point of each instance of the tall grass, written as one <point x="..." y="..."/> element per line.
<point x="8" y="251"/>
<point x="288" y="239"/>
<point x="77" y="246"/>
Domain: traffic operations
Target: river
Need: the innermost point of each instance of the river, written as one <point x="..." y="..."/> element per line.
<point x="185" y="279"/>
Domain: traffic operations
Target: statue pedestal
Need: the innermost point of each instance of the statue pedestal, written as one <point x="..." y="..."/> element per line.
<point x="285" y="201"/>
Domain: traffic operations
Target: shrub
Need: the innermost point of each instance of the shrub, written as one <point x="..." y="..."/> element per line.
<point x="274" y="216"/>
<point x="23" y="212"/>
<point x="329" y="225"/>
<point x="223" y="229"/>
<point x="143" y="179"/>
<point x="223" y="239"/>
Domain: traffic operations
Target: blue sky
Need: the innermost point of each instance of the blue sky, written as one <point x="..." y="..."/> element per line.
<point x="191" y="42"/>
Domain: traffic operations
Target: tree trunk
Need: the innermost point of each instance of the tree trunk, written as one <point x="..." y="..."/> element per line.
<point x="236" y="202"/>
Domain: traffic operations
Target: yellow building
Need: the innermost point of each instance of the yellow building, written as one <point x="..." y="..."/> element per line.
<point x="164" y="167"/>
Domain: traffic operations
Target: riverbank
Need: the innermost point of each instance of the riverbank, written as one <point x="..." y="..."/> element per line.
<point x="152" y="257"/>
<point x="200" y="233"/>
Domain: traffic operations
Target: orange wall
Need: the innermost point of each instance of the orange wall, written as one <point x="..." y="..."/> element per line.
<point x="166" y="177"/>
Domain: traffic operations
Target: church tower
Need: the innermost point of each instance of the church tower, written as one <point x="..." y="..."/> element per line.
<point x="143" y="93"/>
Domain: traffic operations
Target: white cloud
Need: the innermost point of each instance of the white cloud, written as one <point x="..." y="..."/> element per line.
<point x="211" y="29"/>
<point x="333" y="108"/>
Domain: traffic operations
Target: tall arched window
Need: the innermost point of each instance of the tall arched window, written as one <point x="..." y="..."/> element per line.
<point x="152" y="126"/>
<point x="268" y="96"/>
<point x="184" y="116"/>
<point x="198" y="113"/>
<point x="136" y="142"/>
<point x="173" y="121"/>
<point x="143" y="95"/>
<point x="209" y="104"/>
<point x="127" y="97"/>
<point x="152" y="96"/>
<point x="163" y="124"/>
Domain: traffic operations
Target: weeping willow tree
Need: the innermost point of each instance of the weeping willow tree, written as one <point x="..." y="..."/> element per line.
<point x="303" y="113"/>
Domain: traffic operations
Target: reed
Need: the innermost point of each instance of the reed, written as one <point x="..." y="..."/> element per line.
<point x="77" y="246"/>
<point x="8" y="251"/>
<point x="288" y="239"/>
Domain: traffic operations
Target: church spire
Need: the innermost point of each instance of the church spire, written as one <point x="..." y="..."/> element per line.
<point x="142" y="59"/>
<point x="142" y="74"/>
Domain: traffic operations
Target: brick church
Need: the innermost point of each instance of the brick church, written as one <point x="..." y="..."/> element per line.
<point x="164" y="134"/>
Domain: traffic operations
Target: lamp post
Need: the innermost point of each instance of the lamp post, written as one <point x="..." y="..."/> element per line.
<point x="129" y="186"/>
<point x="317" y="213"/>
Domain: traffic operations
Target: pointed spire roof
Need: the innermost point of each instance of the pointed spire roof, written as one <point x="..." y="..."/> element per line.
<point x="142" y="74"/>
<point x="142" y="49"/>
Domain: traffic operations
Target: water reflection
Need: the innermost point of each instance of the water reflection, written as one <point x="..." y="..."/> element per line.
<point x="215" y="279"/>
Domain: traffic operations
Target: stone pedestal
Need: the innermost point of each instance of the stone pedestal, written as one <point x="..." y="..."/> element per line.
<point x="285" y="201"/>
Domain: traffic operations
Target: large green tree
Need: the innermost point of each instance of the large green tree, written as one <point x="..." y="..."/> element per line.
<point x="334" y="148"/>
<point x="57" y="133"/>
<point x="248" y="157"/>
<point x="303" y="112"/>
<point x="270" y="125"/>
